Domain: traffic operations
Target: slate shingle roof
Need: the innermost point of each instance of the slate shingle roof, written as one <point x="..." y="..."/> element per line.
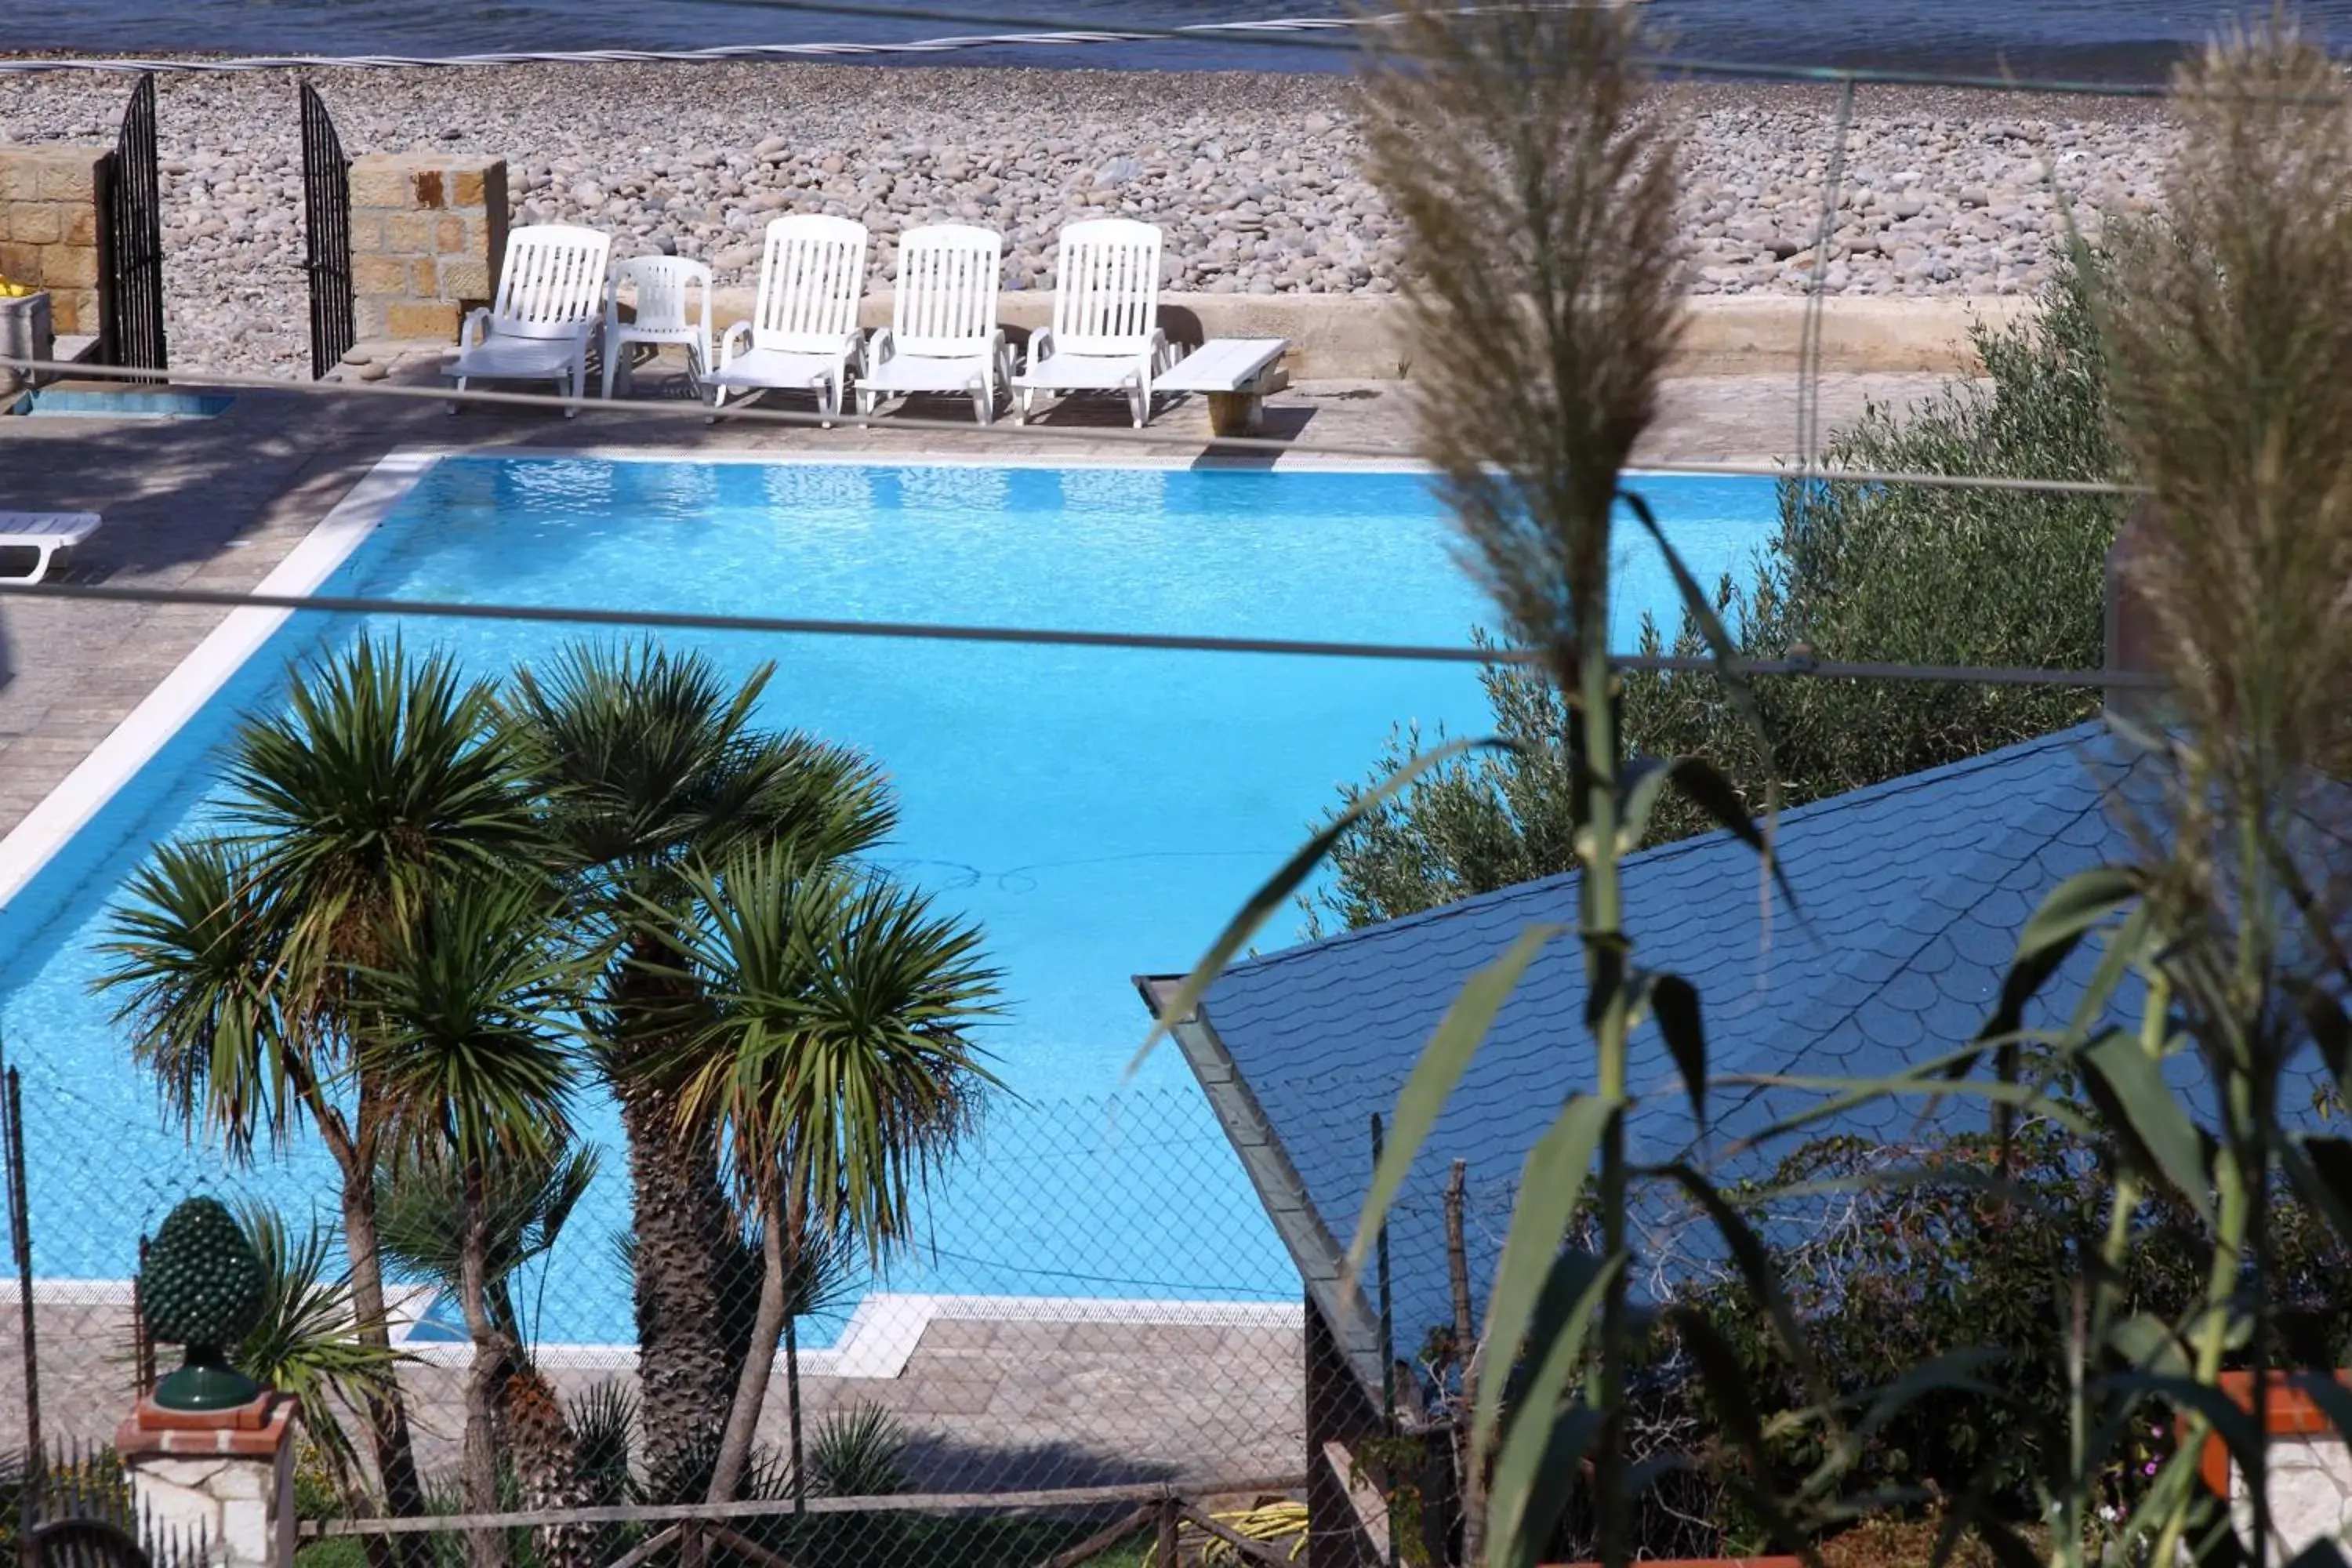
<point x="1913" y="893"/>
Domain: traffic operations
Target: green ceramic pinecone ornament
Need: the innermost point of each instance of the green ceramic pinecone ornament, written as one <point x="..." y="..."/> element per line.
<point x="202" y="1289"/>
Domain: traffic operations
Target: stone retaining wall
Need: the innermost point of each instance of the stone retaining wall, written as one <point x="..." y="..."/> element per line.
<point x="1363" y="337"/>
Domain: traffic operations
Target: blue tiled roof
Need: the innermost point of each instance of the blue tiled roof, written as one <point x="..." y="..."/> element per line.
<point x="1912" y="895"/>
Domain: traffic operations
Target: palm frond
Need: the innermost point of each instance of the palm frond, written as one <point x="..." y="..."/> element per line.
<point x="468" y="1047"/>
<point x="386" y="776"/>
<point x="604" y="1423"/>
<point x="840" y="1062"/>
<point x="859" y="1452"/>
<point x="308" y="1341"/>
<point x="527" y="1199"/>
<point x="194" y="953"/>
<point x="643" y="756"/>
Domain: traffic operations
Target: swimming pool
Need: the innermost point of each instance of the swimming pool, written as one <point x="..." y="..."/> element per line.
<point x="1100" y="812"/>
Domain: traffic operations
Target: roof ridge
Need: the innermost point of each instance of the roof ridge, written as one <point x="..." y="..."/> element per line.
<point x="1844" y="800"/>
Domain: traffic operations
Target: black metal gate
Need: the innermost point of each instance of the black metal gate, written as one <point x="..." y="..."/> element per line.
<point x="131" y="248"/>
<point x="326" y="231"/>
<point x="76" y="1510"/>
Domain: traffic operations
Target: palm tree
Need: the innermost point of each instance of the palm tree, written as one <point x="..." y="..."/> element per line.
<point x="527" y="1201"/>
<point x="836" y="1059"/>
<point x="474" y="1068"/>
<point x="234" y="956"/>
<point x="645" y="762"/>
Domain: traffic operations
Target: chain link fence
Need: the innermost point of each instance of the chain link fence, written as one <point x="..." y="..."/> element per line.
<point x="1098" y="1330"/>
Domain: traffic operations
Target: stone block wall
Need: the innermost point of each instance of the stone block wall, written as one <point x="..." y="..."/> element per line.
<point x="428" y="237"/>
<point x="49" y="229"/>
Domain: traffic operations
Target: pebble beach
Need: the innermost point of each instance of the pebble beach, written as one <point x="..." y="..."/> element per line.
<point x="1254" y="179"/>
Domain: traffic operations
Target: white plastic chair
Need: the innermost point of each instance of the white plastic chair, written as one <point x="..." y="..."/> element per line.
<point x="1105" y="336"/>
<point x="549" y="306"/>
<point x="942" y="336"/>
<point x="664" y="284"/>
<point x="804" y="335"/>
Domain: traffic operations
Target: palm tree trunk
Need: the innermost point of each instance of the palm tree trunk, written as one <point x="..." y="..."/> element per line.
<point x="387" y="1415"/>
<point x="759" y="1366"/>
<point x="493" y="1362"/>
<point x="687" y="1362"/>
<point x="547" y="1467"/>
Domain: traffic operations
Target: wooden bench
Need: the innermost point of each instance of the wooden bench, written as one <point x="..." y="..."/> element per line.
<point x="1234" y="375"/>
<point x="45" y="533"/>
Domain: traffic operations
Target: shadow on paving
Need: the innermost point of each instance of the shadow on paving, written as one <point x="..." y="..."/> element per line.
<point x="941" y="1464"/>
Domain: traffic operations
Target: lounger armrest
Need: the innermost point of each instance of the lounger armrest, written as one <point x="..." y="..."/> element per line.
<point x="1041" y="347"/>
<point x="881" y="348"/>
<point x="853" y="352"/>
<point x="1165" y="354"/>
<point x="729" y="345"/>
<point x="480" y="316"/>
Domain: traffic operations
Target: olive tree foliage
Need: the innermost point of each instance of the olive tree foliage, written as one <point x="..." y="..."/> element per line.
<point x="1901" y="574"/>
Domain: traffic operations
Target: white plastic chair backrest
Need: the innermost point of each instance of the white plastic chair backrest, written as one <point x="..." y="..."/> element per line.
<point x="1106" y="286"/>
<point x="948" y="276"/>
<point x="552" y="285"/>
<point x="810" y="276"/>
<point x="665" y="286"/>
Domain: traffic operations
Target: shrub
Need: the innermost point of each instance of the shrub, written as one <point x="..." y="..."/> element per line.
<point x="1903" y="574"/>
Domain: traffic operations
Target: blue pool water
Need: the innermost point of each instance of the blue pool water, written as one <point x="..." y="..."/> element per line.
<point x="1099" y="812"/>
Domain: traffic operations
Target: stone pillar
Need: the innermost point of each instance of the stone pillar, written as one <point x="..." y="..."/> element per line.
<point x="222" y="1477"/>
<point x="2308" y="1467"/>
<point x="49" y="227"/>
<point x="428" y="237"/>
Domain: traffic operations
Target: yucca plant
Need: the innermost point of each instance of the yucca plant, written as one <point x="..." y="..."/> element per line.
<point x="859" y="1452"/>
<point x="645" y="761"/>
<point x="468" y="1048"/>
<point x="307" y="1342"/>
<point x="837" y="1055"/>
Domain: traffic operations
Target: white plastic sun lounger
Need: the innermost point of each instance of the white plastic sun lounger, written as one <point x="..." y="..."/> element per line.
<point x="942" y="336"/>
<point x="550" y="307"/>
<point x="47" y="533"/>
<point x="804" y="336"/>
<point x="1105" y="335"/>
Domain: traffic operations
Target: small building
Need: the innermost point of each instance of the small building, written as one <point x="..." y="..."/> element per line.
<point x="1909" y="899"/>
